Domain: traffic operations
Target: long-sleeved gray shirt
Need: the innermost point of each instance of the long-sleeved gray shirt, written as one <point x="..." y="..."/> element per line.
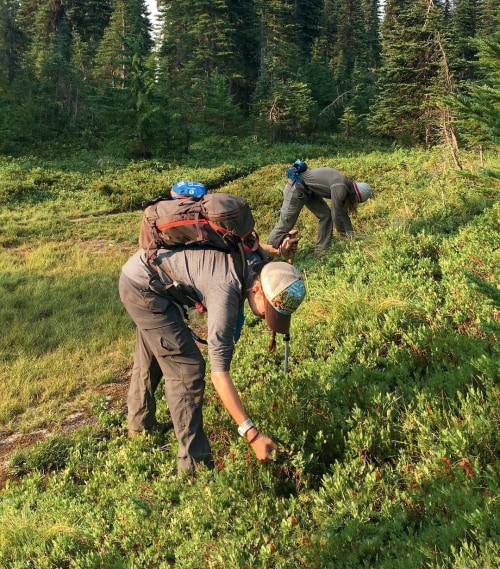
<point x="213" y="274"/>
<point x="331" y="184"/>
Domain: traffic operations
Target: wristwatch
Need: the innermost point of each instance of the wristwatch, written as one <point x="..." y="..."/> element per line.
<point x="244" y="427"/>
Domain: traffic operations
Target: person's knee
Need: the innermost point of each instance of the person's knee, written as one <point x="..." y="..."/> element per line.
<point x="194" y="370"/>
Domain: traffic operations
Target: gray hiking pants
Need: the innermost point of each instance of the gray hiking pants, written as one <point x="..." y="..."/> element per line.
<point x="295" y="197"/>
<point x="164" y="347"/>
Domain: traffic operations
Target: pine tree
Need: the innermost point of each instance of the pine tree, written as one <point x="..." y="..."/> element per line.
<point x="347" y="42"/>
<point x="128" y="34"/>
<point x="282" y="103"/>
<point x="89" y="19"/>
<point x="125" y="76"/>
<point x="243" y="77"/>
<point x="408" y="86"/>
<point x="307" y="14"/>
<point x="46" y="63"/>
<point x="344" y="58"/>
<point x="462" y="29"/>
<point x="488" y="22"/>
<point x="220" y="114"/>
<point x="199" y="55"/>
<point x="366" y="63"/>
<point x="12" y="115"/>
<point x="54" y="60"/>
<point x="10" y="41"/>
<point x="478" y="109"/>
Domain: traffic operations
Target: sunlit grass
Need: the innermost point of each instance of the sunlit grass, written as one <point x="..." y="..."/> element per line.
<point x="389" y="413"/>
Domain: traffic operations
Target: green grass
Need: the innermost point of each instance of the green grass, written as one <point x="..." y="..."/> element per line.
<point x="389" y="414"/>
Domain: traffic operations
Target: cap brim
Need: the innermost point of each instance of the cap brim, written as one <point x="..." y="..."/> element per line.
<point x="277" y="322"/>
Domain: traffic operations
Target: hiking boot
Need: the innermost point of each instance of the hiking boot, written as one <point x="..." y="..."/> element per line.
<point x="156" y="428"/>
<point x="161" y="427"/>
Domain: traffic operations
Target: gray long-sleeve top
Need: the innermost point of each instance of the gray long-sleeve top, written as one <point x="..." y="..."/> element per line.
<point x="331" y="184"/>
<point x="213" y="274"/>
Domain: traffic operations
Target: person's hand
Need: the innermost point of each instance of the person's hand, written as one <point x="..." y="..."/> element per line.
<point x="263" y="446"/>
<point x="289" y="246"/>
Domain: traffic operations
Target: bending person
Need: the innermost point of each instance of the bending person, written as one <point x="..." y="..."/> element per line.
<point x="165" y="345"/>
<point x="310" y="188"/>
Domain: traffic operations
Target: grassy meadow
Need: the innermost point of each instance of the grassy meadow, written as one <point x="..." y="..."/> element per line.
<point x="388" y="418"/>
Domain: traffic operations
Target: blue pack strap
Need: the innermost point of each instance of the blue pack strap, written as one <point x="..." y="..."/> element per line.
<point x="239" y="323"/>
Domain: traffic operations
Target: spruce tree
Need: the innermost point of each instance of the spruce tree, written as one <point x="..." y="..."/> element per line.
<point x="348" y="44"/>
<point x="199" y="55"/>
<point x="128" y="34"/>
<point x="124" y="76"/>
<point x="344" y="58"/>
<point x="366" y="63"/>
<point x="282" y="104"/>
<point x="307" y="14"/>
<point x="319" y="71"/>
<point x="488" y="22"/>
<point x="54" y="61"/>
<point x="462" y="29"/>
<point x="13" y="117"/>
<point x="10" y="41"/>
<point x="478" y="109"/>
<point x="243" y="77"/>
<point x="407" y="83"/>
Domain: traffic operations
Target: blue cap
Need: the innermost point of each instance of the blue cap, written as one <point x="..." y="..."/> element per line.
<point x="300" y="166"/>
<point x="188" y="190"/>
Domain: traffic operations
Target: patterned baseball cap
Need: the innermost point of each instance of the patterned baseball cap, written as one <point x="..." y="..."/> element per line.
<point x="284" y="290"/>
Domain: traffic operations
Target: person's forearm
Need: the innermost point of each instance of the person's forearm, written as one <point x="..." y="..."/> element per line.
<point x="261" y="445"/>
<point x="229" y="396"/>
<point x="269" y="250"/>
<point x="342" y="222"/>
<point x="287" y="247"/>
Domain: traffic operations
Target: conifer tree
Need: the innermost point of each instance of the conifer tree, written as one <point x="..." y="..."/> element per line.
<point x="13" y="117"/>
<point x="128" y="34"/>
<point x="319" y="71"/>
<point x="478" y="109"/>
<point x="367" y="61"/>
<point x="461" y="30"/>
<point x="54" y="60"/>
<point x="308" y="15"/>
<point x="10" y="40"/>
<point x="488" y="22"/>
<point x="282" y="101"/>
<point x="200" y="54"/>
<point x="243" y="77"/>
<point x="89" y="19"/>
<point x="47" y="64"/>
<point x="347" y="41"/>
<point x="349" y="46"/>
<point x="123" y="74"/>
<point x="408" y="86"/>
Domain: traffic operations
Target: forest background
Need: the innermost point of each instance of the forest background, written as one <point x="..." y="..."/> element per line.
<point x="91" y="73"/>
<point x="388" y="418"/>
